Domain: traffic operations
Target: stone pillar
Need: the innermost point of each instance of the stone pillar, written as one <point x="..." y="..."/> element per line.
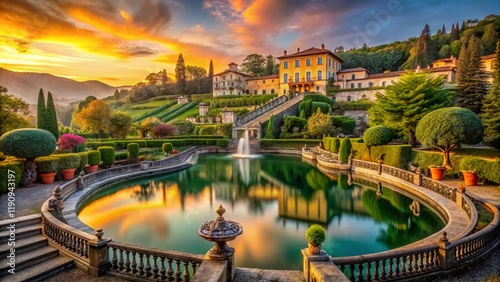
<point x="320" y="268"/>
<point x="417" y="180"/>
<point x="235" y="133"/>
<point x="98" y="254"/>
<point x="445" y="252"/>
<point x="460" y="195"/>
<point x="57" y="195"/>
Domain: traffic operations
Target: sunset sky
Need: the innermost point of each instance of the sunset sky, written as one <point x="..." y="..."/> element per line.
<point x="120" y="41"/>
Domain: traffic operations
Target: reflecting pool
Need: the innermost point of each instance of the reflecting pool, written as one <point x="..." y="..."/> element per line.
<point x="274" y="197"/>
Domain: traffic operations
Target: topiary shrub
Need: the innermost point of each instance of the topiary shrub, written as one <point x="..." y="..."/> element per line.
<point x="335" y="145"/>
<point x="345" y="150"/>
<point x="223" y="143"/>
<point x="378" y="135"/>
<point x="94" y="157"/>
<point x="132" y="151"/>
<point x="448" y="128"/>
<point x="167" y="148"/>
<point x="84" y="161"/>
<point x="28" y="143"/>
<point x="107" y="156"/>
<point x="47" y="164"/>
<point x="67" y="161"/>
<point x="315" y="234"/>
<point x="327" y="143"/>
<point x="270" y="128"/>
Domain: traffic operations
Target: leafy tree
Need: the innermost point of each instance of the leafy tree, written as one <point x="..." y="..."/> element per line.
<point x="254" y="64"/>
<point x="143" y="91"/>
<point x="448" y="128"/>
<point x="85" y="103"/>
<point x="271" y="66"/>
<point x="421" y="53"/>
<point x="11" y="111"/>
<point x="471" y="80"/>
<point x="489" y="39"/>
<point x="270" y="128"/>
<point x="51" y="117"/>
<point x="147" y="125"/>
<point x="319" y="124"/>
<point x="407" y="101"/>
<point x="120" y="124"/>
<point x="180" y="75"/>
<point x="491" y="105"/>
<point x="163" y="130"/>
<point x="95" y="117"/>
<point x="41" y="110"/>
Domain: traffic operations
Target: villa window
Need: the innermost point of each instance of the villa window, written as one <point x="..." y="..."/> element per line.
<point x="263" y="82"/>
<point x="320" y="75"/>
<point x="349" y="98"/>
<point x="223" y="77"/>
<point x="353" y="76"/>
<point x="255" y="92"/>
<point x="308" y="62"/>
<point x="320" y="61"/>
<point x="370" y="84"/>
<point x="272" y="91"/>
<point x="352" y="85"/>
<point x="231" y="76"/>
<point x="329" y="62"/>
<point x="308" y="76"/>
<point x="232" y="83"/>
<point x="285" y="78"/>
<point x="317" y="88"/>
<point x="297" y="63"/>
<point x="216" y="79"/>
<point x="297" y="77"/>
<point x="285" y="65"/>
<point x="359" y="84"/>
<point x="223" y="84"/>
<point x="284" y="91"/>
<point x="264" y="92"/>
<point x="223" y="93"/>
<point x="329" y="74"/>
<point x="383" y="83"/>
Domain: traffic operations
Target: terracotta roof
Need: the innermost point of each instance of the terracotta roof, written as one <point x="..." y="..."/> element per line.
<point x="387" y="74"/>
<point x="238" y="72"/>
<point x="264" y="77"/>
<point x="490" y="56"/>
<point x="310" y="51"/>
<point x="353" y="69"/>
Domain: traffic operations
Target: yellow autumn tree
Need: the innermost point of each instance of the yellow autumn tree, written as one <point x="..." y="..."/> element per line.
<point x="94" y="118"/>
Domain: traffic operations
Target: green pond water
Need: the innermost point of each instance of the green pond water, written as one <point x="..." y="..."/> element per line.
<point x="274" y="197"/>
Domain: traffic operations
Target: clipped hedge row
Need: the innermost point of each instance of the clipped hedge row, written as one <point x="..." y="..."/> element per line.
<point x="95" y="145"/>
<point x="485" y="169"/>
<point x="132" y="151"/>
<point x="223" y="143"/>
<point x="394" y="155"/>
<point x="182" y="142"/>
<point x="155" y="111"/>
<point x="184" y="108"/>
<point x="318" y="98"/>
<point x="94" y="135"/>
<point x="288" y="143"/>
<point x="223" y="130"/>
<point x="16" y="167"/>
<point x="107" y="156"/>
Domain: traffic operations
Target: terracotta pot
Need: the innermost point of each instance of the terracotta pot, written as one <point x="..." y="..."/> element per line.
<point x="48" y="178"/>
<point x="68" y="174"/>
<point x="437" y="173"/>
<point x="470" y="178"/>
<point x="91" y="168"/>
<point x="314" y="250"/>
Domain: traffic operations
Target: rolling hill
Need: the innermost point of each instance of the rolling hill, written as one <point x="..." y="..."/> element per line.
<point x="26" y="85"/>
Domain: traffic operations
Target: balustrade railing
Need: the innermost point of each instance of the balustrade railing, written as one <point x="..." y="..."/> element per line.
<point x="441" y="188"/>
<point x="261" y="110"/>
<point x="391" y="265"/>
<point x="366" y="165"/>
<point x="152" y="264"/>
<point x="399" y="173"/>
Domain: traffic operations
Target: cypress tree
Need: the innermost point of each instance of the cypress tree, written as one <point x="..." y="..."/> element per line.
<point x="462" y="28"/>
<point x="455" y="33"/>
<point x="180" y="75"/>
<point x="211" y="70"/>
<point x="491" y="104"/>
<point x="421" y="53"/>
<point x="270" y="128"/>
<point x="471" y="79"/>
<point x="51" y="117"/>
<point x="345" y="150"/>
<point x="41" y="109"/>
<point x="164" y="79"/>
<point x="443" y="30"/>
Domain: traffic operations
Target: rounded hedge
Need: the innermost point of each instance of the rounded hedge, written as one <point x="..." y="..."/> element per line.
<point x="345" y="150"/>
<point x="84" y="160"/>
<point x="378" y="135"/>
<point x="132" y="151"/>
<point x="94" y="157"/>
<point x="28" y="143"/>
<point x="67" y="161"/>
<point x="107" y="156"/>
<point x="315" y="234"/>
<point x="167" y="148"/>
<point x="47" y="164"/>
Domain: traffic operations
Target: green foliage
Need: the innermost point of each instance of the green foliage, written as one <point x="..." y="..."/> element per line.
<point x="16" y="167"/>
<point x="407" y="101"/>
<point x="470" y="163"/>
<point x="327" y="143"/>
<point x="394" y="155"/>
<point x="184" y="142"/>
<point x="182" y="109"/>
<point x="315" y="234"/>
<point x="345" y="150"/>
<point x="154" y="112"/>
<point x="94" y="157"/>
<point x="47" y="164"/>
<point x="51" y="117"/>
<point x="254" y="64"/>
<point x="293" y="127"/>
<point x="84" y="161"/>
<point x="288" y="143"/>
<point x="347" y="124"/>
<point x="353" y="105"/>
<point x="319" y="124"/>
<point x="120" y="124"/>
<point x="491" y="104"/>
<point x="224" y="130"/>
<point x="183" y="127"/>
<point x="132" y="151"/>
<point x="305" y="106"/>
<point x="324" y="107"/>
<point x="27" y="143"/>
<point x="167" y="148"/>
<point x="335" y="145"/>
<point x="378" y="135"/>
<point x="317" y="98"/>
<point x="95" y="145"/>
<point x="302" y="114"/>
<point x="270" y="128"/>
<point x="180" y="75"/>
<point x="331" y="144"/>
<point x="71" y="160"/>
<point x="422" y="52"/>
<point x="343" y="182"/>
<point x="223" y="143"/>
<point x="107" y="156"/>
<point x="377" y="59"/>
<point x="41" y="111"/>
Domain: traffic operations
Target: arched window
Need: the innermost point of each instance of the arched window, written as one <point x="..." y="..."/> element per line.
<point x="296" y="77"/>
<point x="308" y="76"/>
<point x="349" y="98"/>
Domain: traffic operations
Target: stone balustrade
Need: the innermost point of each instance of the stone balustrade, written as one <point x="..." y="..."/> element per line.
<point x="261" y="110"/>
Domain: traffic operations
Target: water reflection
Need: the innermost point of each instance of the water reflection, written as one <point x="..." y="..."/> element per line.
<point x="275" y="198"/>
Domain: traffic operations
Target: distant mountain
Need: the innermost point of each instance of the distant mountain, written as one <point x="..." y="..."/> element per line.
<point x="26" y="85"/>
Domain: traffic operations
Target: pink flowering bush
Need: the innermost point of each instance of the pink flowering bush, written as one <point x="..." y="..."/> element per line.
<point x="174" y="152"/>
<point x="70" y="141"/>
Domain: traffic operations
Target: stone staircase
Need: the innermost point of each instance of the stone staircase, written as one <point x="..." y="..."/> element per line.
<point x="35" y="260"/>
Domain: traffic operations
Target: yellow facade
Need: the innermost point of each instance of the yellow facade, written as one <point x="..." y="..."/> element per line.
<point x="262" y="85"/>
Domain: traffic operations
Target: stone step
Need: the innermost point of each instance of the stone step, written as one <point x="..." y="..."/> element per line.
<point x="21" y="221"/>
<point x="24" y="245"/>
<point x="43" y="270"/>
<point x="26" y="260"/>
<point x="20" y="233"/>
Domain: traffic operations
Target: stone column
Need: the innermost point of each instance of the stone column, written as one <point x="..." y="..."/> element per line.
<point x="98" y="254"/>
<point x="445" y="252"/>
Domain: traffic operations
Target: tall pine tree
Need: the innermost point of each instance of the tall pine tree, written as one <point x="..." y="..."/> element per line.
<point x="455" y="33"/>
<point x="180" y="75"/>
<point x="471" y="79"/>
<point x="40" y="111"/>
<point x="490" y="116"/>
<point x="211" y="70"/>
<point x="422" y="53"/>
<point x="51" y="117"/>
<point x="443" y="30"/>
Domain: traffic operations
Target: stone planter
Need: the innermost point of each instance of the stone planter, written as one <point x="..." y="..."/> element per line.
<point x="470" y="178"/>
<point x="144" y="165"/>
<point x="437" y="172"/>
<point x="48" y="178"/>
<point x="68" y="174"/>
<point x="314" y="250"/>
<point x="91" y="168"/>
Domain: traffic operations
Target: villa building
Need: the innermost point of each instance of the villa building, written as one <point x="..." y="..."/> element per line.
<point x="230" y="82"/>
<point x="258" y="85"/>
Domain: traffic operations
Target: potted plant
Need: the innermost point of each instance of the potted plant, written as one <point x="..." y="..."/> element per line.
<point x="94" y="157"/>
<point x="315" y="236"/>
<point x="468" y="167"/>
<point x="437" y="172"/>
<point x="47" y="168"/>
<point x="68" y="164"/>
